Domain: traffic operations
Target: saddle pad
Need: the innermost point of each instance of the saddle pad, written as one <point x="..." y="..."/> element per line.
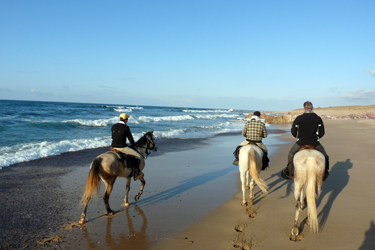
<point x="306" y="147"/>
<point x="119" y="156"/>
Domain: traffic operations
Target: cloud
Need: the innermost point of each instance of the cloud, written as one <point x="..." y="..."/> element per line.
<point x="360" y="95"/>
<point x="32" y="90"/>
<point x="372" y="72"/>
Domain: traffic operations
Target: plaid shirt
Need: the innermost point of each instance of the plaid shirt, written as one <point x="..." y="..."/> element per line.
<point x="254" y="130"/>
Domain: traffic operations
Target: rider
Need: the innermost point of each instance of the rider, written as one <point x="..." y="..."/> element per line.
<point x="254" y="131"/>
<point x="121" y="132"/>
<point x="308" y="128"/>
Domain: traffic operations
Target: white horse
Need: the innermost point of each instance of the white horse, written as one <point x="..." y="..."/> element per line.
<point x="309" y="165"/>
<point x="250" y="163"/>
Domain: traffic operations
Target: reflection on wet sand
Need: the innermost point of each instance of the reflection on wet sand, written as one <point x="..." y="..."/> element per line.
<point x="119" y="237"/>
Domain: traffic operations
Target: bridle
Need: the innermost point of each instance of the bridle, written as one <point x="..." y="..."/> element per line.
<point x="150" y="144"/>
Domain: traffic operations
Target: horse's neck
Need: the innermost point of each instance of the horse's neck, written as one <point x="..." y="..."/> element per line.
<point x="142" y="149"/>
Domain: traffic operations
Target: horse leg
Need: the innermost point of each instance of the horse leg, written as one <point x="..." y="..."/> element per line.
<point x="108" y="190"/>
<point x="297" y="194"/>
<point x="303" y="201"/>
<point x="247" y="179"/>
<point x="126" y="200"/>
<point x="251" y="192"/>
<point x="83" y="215"/>
<point x="303" y="198"/>
<point x="243" y="181"/>
<point x="142" y="179"/>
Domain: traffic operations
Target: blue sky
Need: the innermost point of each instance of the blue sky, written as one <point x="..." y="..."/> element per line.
<point x="265" y="55"/>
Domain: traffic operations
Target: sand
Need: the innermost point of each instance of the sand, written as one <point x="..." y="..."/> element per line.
<point x="345" y="207"/>
<point x="192" y="200"/>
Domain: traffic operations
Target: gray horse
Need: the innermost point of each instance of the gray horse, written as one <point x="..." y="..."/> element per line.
<point x="107" y="167"/>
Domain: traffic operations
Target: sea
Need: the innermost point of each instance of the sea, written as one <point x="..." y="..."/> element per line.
<point x="31" y="130"/>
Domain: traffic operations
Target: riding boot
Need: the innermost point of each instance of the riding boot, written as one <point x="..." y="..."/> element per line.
<point x="236" y="155"/>
<point x="137" y="172"/>
<point x="265" y="160"/>
<point x="288" y="172"/>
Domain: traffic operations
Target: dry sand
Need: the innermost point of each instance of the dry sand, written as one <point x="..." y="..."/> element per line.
<point x="194" y="203"/>
<point x="341" y="111"/>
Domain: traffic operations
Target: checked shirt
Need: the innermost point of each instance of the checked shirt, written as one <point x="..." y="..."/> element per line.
<point x="254" y="130"/>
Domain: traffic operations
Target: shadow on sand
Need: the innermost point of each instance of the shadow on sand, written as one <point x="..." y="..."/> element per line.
<point x="274" y="186"/>
<point x="340" y="172"/>
<point x="186" y="185"/>
<point x="369" y="242"/>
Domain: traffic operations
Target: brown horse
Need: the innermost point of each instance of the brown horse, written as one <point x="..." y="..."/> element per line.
<point x="108" y="167"/>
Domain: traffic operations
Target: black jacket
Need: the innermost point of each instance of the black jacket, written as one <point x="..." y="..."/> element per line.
<point x="120" y="131"/>
<point x="308" y="128"/>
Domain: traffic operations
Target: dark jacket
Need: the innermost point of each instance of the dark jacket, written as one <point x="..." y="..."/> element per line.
<point x="120" y="131"/>
<point x="308" y="128"/>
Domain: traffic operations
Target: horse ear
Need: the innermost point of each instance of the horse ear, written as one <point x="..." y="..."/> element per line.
<point x="152" y="131"/>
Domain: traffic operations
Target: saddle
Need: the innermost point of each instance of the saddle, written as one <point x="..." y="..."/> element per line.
<point x="306" y="147"/>
<point x="130" y="160"/>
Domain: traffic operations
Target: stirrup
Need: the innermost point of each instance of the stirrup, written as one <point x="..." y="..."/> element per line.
<point x="285" y="175"/>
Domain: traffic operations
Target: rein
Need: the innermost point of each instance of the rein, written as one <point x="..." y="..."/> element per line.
<point x="146" y="147"/>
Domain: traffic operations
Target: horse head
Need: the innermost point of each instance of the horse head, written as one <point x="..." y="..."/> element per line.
<point x="150" y="140"/>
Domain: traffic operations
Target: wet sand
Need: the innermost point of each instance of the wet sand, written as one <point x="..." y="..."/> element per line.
<point x="186" y="180"/>
<point x="182" y="188"/>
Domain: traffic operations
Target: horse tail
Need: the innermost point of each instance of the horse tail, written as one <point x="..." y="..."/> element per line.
<point x="254" y="172"/>
<point x="92" y="183"/>
<point x="311" y="167"/>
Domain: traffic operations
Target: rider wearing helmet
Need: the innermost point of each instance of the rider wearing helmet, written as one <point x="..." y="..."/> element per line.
<point x="121" y="132"/>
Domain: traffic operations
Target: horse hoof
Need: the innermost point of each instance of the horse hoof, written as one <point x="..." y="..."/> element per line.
<point x="244" y="204"/>
<point x="136" y="198"/>
<point x="81" y="221"/>
<point x="295" y="231"/>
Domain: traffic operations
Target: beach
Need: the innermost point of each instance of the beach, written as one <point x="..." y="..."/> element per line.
<point x="345" y="207"/>
<point x="192" y="199"/>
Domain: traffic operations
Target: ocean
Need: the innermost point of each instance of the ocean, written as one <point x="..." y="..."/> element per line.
<point x="31" y="130"/>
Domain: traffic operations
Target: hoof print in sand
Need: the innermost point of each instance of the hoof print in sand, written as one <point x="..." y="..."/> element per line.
<point x="242" y="245"/>
<point x="238" y="228"/>
<point x="251" y="212"/>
